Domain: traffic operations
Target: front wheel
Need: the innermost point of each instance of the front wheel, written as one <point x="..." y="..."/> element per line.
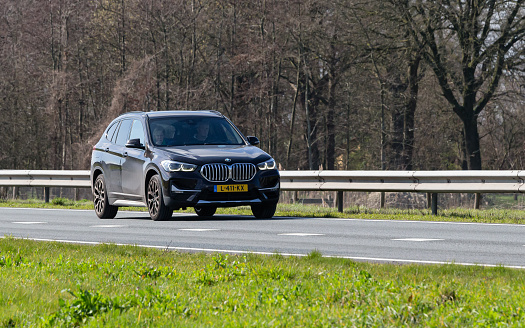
<point x="205" y="211"/>
<point x="100" y="200"/>
<point x="158" y="211"/>
<point x="265" y="211"/>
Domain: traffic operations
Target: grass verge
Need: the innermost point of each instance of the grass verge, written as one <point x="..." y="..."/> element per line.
<point x="510" y="216"/>
<point x="52" y="284"/>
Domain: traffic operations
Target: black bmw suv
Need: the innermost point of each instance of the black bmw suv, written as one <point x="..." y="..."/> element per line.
<point x="178" y="159"/>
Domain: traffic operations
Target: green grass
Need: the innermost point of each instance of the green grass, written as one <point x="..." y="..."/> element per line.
<point x="52" y="284"/>
<point x="506" y="200"/>
<point x="493" y="215"/>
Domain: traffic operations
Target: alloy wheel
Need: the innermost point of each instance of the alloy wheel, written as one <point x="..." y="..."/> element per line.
<point x="99" y="196"/>
<point x="153" y="197"/>
<point x="100" y="200"/>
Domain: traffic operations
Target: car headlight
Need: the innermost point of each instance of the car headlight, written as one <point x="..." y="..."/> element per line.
<point x="172" y="166"/>
<point x="268" y="165"/>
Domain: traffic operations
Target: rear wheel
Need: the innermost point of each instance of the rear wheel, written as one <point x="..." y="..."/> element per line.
<point x="158" y="211"/>
<point x="205" y="211"/>
<point x="100" y="199"/>
<point x="265" y="211"/>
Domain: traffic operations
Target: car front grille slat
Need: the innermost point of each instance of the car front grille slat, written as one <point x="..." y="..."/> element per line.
<point x="223" y="172"/>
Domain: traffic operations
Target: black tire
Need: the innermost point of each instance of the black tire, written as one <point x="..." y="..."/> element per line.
<point x="205" y="210"/>
<point x="100" y="200"/>
<point x="265" y="211"/>
<point x="158" y="211"/>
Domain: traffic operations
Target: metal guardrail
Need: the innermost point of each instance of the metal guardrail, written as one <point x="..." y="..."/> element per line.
<point x="432" y="182"/>
<point x="406" y="181"/>
<point x="45" y="178"/>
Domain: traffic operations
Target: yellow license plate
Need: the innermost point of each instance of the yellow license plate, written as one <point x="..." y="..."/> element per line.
<point x="232" y="188"/>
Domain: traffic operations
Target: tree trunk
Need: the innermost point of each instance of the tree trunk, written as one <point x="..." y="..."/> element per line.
<point x="123" y="38"/>
<point x="404" y="88"/>
<point x="471" y="136"/>
<point x="413" y="89"/>
<point x="308" y="122"/>
<point x="330" y="126"/>
<point x="295" y="99"/>
<point x="396" y="143"/>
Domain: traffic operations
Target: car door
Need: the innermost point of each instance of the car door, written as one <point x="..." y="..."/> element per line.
<point x="110" y="160"/>
<point x="133" y="165"/>
<point x="116" y="151"/>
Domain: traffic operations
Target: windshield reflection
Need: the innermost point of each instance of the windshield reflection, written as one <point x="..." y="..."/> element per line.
<point x="188" y="131"/>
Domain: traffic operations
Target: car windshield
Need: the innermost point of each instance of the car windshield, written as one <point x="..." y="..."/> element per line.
<point x="185" y="131"/>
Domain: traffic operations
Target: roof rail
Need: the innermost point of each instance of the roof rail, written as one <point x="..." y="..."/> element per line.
<point x="216" y="112"/>
<point x="132" y="112"/>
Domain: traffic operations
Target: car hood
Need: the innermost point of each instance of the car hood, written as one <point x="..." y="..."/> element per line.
<point x="217" y="154"/>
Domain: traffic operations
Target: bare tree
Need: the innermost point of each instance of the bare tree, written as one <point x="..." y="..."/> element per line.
<point x="469" y="45"/>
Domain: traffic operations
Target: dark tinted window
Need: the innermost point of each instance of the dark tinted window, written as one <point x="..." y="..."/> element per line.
<point x="114" y="138"/>
<point x="111" y="131"/>
<point x="137" y="131"/>
<point x="184" y="130"/>
<point x="123" y="132"/>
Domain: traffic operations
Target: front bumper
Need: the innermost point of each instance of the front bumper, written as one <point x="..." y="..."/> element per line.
<point x="263" y="189"/>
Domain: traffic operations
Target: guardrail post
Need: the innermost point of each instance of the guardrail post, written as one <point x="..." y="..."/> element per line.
<point x="46" y="194"/>
<point x="382" y="199"/>
<point x="15" y="192"/>
<point x="434" y="203"/>
<point x="429" y="200"/>
<point x="339" y="201"/>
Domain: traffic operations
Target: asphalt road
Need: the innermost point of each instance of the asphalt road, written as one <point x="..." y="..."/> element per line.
<point x="363" y="240"/>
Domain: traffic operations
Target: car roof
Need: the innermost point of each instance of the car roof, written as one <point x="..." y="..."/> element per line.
<point x="172" y="113"/>
<point x="200" y="113"/>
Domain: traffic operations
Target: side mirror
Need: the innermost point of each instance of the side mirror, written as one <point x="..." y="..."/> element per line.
<point x="253" y="140"/>
<point x="134" y="143"/>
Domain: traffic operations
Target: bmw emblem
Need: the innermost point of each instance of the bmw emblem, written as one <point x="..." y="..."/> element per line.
<point x="227" y="160"/>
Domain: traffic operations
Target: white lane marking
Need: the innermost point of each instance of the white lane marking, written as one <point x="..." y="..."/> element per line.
<point x="300" y="234"/>
<point x="285" y="217"/>
<point x="357" y="258"/>
<point x="121" y="213"/>
<point x="422" y="221"/>
<point x="44" y="209"/>
<point x="417" y="239"/>
<point x="29" y="222"/>
<point x="199" y="230"/>
<point x="62" y="241"/>
<point x="107" y="226"/>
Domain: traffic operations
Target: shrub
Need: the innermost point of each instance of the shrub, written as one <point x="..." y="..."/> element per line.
<point x="62" y="201"/>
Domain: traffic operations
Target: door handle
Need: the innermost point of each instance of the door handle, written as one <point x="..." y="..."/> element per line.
<point x="125" y="154"/>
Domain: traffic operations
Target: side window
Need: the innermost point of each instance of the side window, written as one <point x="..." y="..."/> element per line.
<point x="123" y="133"/>
<point x="111" y="131"/>
<point x="114" y="138"/>
<point x="137" y="131"/>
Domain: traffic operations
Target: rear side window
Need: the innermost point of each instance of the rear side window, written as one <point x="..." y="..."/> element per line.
<point x="123" y="133"/>
<point x="111" y="131"/>
<point x="137" y="131"/>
